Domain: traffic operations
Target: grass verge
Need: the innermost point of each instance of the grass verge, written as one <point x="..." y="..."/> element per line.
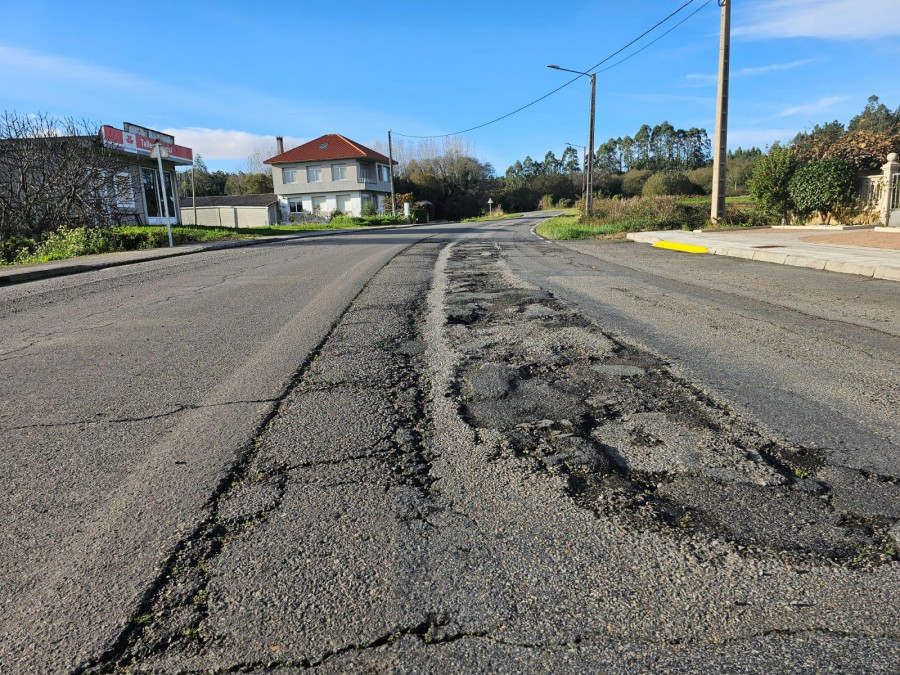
<point x="571" y="227"/>
<point x="71" y="242"/>
<point x="640" y="214"/>
<point x="481" y="219"/>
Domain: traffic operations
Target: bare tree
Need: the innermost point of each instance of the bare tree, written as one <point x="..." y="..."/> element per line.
<point x="256" y="159"/>
<point x="58" y="171"/>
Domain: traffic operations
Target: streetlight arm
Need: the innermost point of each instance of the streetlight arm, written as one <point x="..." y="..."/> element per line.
<point x="590" y="158"/>
<point x="568" y="70"/>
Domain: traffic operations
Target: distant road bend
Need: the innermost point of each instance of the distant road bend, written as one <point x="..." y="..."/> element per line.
<point x="450" y="448"/>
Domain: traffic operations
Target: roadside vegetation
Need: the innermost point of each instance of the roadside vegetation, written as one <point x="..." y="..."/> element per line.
<point x="497" y="215"/>
<point x="643" y="186"/>
<point x="660" y="178"/>
<point x="71" y="242"/>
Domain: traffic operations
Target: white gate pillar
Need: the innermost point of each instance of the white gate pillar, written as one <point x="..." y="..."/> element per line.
<point x="890" y="169"/>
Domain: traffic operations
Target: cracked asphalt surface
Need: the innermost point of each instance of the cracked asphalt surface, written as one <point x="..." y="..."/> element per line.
<point x="450" y="449"/>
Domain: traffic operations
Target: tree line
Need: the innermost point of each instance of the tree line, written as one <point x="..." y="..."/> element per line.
<point x="658" y="148"/>
<point x="257" y="179"/>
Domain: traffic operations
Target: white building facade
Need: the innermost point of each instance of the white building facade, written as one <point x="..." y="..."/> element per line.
<point x="327" y="174"/>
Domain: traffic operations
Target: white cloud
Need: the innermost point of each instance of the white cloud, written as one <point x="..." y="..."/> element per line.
<point x="701" y="79"/>
<point x="227" y="144"/>
<point x="819" y="106"/>
<point x="774" y="67"/>
<point x="63" y="82"/>
<point x="704" y="79"/>
<point x="36" y="64"/>
<point x="826" y="19"/>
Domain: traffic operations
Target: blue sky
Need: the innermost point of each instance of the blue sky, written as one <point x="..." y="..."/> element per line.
<point x="226" y="77"/>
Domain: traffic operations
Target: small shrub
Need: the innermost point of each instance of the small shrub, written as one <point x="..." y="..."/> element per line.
<point x="547" y="202"/>
<point x="14" y="247"/>
<point x="368" y="209"/>
<point x="633" y="182"/>
<point x="823" y="187"/>
<point x="70" y="242"/>
<point x="337" y="213"/>
<point x="770" y="184"/>
<point x="562" y="203"/>
<point x="665" y="184"/>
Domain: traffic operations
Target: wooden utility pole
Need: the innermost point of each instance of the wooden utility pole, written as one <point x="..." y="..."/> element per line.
<point x="720" y="146"/>
<point x="391" y="169"/>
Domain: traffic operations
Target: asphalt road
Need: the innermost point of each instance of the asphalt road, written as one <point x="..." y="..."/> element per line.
<point x="454" y="448"/>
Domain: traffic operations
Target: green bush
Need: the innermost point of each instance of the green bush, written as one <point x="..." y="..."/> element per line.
<point x="669" y="184"/>
<point x="824" y="187"/>
<point x="650" y="213"/>
<point x="337" y="213"/>
<point x="770" y="184"/>
<point x="357" y="221"/>
<point x="628" y="215"/>
<point x="69" y="242"/>
<point x="368" y="209"/>
<point x="633" y="182"/>
<point x="547" y="202"/>
<point x="607" y="184"/>
<point x="14" y="247"/>
<point x="702" y="178"/>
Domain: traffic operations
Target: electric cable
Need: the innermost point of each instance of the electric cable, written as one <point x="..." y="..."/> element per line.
<point x="577" y="77"/>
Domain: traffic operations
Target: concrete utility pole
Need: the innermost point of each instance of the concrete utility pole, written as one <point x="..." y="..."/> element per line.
<point x="720" y="146"/>
<point x="589" y="201"/>
<point x="391" y="169"/>
<point x="589" y="204"/>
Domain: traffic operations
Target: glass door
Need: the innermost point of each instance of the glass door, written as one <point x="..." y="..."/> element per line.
<point x="156" y="214"/>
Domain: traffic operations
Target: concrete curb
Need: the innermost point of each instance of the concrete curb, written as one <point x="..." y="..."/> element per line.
<point x="9" y="276"/>
<point x="864" y="269"/>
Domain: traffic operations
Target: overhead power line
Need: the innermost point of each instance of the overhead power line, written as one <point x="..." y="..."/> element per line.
<point x="657" y="39"/>
<point x="591" y="69"/>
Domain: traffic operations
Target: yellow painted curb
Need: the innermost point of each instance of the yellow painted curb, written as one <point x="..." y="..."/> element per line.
<point x="684" y="248"/>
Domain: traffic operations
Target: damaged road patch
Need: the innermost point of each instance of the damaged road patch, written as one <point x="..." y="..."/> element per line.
<point x="636" y="443"/>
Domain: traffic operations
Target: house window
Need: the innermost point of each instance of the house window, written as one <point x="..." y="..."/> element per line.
<point x="383" y="173"/>
<point x="338" y="172"/>
<point x="289" y="176"/>
<point x="123" y="190"/>
<point x="314" y="174"/>
<point x="295" y="205"/>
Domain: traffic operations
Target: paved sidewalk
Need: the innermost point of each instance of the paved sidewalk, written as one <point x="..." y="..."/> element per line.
<point x="847" y="253"/>
<point x="88" y="263"/>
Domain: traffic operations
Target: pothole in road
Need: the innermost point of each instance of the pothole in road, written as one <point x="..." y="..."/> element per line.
<point x="636" y="444"/>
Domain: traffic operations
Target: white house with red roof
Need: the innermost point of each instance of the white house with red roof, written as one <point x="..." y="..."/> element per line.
<point x="328" y="173"/>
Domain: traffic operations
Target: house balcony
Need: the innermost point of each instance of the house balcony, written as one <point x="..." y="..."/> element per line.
<point x="365" y="180"/>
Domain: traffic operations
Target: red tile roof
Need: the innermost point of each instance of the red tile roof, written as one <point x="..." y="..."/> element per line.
<point x="329" y="146"/>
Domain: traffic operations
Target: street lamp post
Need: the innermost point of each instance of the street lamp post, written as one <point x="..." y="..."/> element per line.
<point x="589" y="202"/>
